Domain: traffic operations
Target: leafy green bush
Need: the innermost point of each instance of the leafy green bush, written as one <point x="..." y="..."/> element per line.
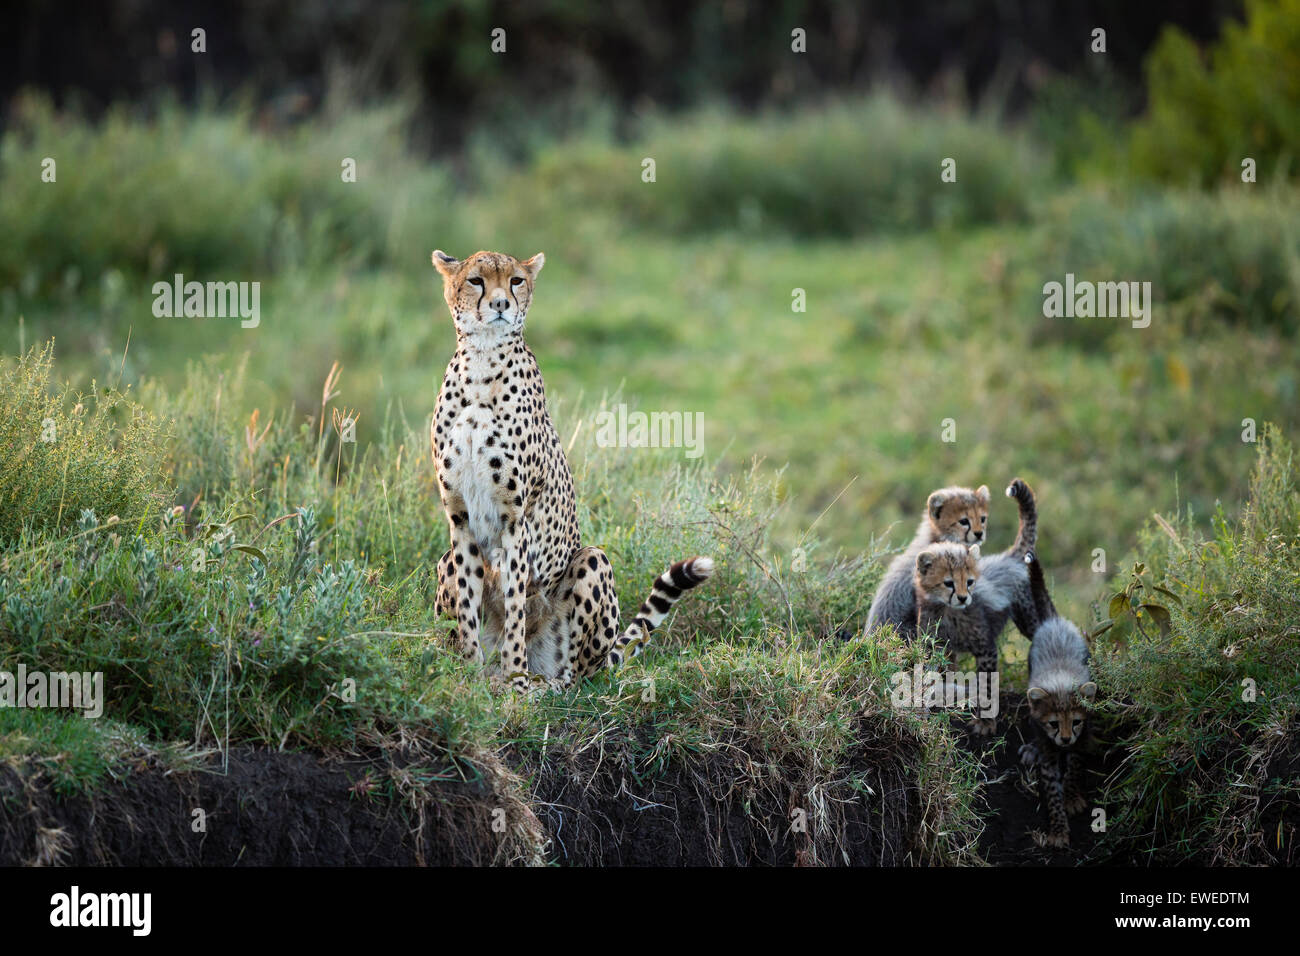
<point x="1225" y="256"/>
<point x="1212" y="697"/>
<point x="201" y="193"/>
<point x="62" y="453"/>
<point x="1208" y="113"/>
<point x="846" y="169"/>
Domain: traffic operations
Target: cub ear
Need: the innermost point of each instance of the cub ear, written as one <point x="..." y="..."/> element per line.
<point x="1036" y="694"/>
<point x="974" y="551"/>
<point x="982" y="493"/>
<point x="534" y="265"/>
<point x="444" y="263"/>
<point x="924" y="560"/>
<point x="935" y="503"/>
<point x="1088" y="690"/>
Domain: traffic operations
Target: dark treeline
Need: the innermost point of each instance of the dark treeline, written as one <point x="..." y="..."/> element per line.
<point x="626" y="52"/>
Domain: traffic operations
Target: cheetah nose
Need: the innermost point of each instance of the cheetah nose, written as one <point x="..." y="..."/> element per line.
<point x="499" y="303"/>
<point x="962" y="598"/>
<point x="979" y="535"/>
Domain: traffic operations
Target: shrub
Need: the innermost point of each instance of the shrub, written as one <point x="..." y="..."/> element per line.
<point x="62" y="453"/>
<point x="1208" y="113"/>
<point x="846" y="169"/>
<point x="1211" y="700"/>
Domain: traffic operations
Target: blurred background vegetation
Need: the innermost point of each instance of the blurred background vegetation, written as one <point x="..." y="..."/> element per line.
<point x="775" y="172"/>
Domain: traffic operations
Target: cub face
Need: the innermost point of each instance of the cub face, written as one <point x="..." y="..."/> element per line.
<point x="488" y="293"/>
<point x="958" y="514"/>
<point x="946" y="572"/>
<point x="1061" y="713"/>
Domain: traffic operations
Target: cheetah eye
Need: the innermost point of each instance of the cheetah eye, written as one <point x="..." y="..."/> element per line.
<point x="965" y="521"/>
<point x="1078" y="721"/>
<point x="1053" y="723"/>
<point x="970" y="582"/>
<point x="516" y="280"/>
<point x="948" y="582"/>
<point x="984" y="519"/>
<point x="475" y="280"/>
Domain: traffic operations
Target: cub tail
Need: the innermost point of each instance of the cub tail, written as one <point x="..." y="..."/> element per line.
<point x="667" y="591"/>
<point x="1038" y="589"/>
<point x="1027" y="536"/>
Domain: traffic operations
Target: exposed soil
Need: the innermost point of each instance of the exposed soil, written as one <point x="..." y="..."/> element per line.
<point x="731" y="810"/>
<point x="290" y="809"/>
<point x="270" y="809"/>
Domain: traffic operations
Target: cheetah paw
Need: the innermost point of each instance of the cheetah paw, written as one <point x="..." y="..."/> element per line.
<point x="1076" y="804"/>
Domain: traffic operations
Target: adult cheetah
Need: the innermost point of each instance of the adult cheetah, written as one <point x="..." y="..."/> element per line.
<point x="516" y="575"/>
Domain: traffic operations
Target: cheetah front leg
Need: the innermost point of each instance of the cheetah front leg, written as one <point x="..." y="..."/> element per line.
<point x="1075" y="801"/>
<point x="466" y="569"/>
<point x="1053" y="794"/>
<point x="513" y="572"/>
<point x="986" y="668"/>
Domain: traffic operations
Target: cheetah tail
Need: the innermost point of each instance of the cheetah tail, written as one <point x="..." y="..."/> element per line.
<point x="1027" y="536"/>
<point x="667" y="591"/>
<point x="1038" y="589"/>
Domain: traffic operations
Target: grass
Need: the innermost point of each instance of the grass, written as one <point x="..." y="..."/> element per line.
<point x="267" y="583"/>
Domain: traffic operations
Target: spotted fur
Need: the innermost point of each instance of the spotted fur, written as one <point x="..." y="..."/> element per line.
<point x="516" y="576"/>
<point x="957" y="515"/>
<point x="1060" y="691"/>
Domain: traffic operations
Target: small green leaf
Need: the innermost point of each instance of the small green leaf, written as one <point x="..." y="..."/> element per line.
<point x="1170" y="594"/>
<point x="255" y="552"/>
<point x="1118" y="605"/>
<point x="1101" y="628"/>
<point x="1159" y="613"/>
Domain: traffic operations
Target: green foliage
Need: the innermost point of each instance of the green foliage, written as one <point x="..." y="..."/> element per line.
<point x="62" y="453"/>
<point x="1208" y="112"/>
<point x="847" y="169"/>
<point x="1211" y="701"/>
<point x="202" y="194"/>
<point x="1224" y="257"/>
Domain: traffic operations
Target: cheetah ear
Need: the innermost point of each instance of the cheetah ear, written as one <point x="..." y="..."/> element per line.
<point x="534" y="265"/>
<point x="1036" y="694"/>
<point x="1088" y="690"/>
<point x="444" y="263"/>
<point x="982" y="493"/>
<point x="924" y="560"/>
<point x="935" y="503"/>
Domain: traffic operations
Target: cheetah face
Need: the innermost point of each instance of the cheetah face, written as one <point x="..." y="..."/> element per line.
<point x="1061" y="713"/>
<point x="959" y="514"/>
<point x="488" y="293"/>
<point x="946" y="572"/>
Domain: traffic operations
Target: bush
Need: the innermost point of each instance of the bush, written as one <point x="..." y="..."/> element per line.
<point x="62" y="453"/>
<point x="1211" y="700"/>
<point x="205" y="194"/>
<point x="1228" y="256"/>
<point x="1207" y="114"/>
<point x="847" y="169"/>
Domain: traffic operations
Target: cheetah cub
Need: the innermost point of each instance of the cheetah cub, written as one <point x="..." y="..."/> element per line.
<point x="957" y="515"/>
<point x="516" y="576"/>
<point x="1060" y="691"/>
<point x="960" y="516"/>
<point x="964" y="599"/>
